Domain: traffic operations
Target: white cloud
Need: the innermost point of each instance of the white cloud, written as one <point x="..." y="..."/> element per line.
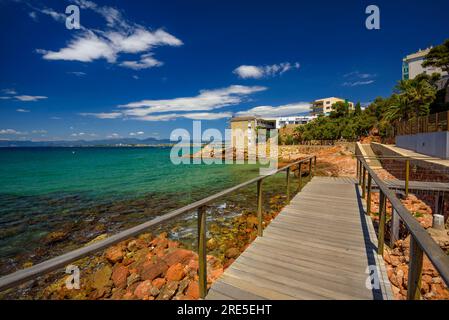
<point x="121" y="36"/>
<point x="279" y="111"/>
<point x="136" y="77"/>
<point x="33" y="15"/>
<point x="206" y="100"/>
<point x="356" y="78"/>
<point x="193" y="116"/>
<point x="170" y="109"/>
<point x="5" y="98"/>
<point x="12" y="132"/>
<point x="146" y="61"/>
<point x="357" y="74"/>
<point x="9" y="91"/>
<point x="22" y="110"/>
<point x="357" y="83"/>
<point x="139" y="133"/>
<point x="55" y="118"/>
<point x="83" y="134"/>
<point x="113" y="135"/>
<point x="27" y="98"/>
<point x="257" y="72"/>
<point x="86" y="48"/>
<point x="39" y="131"/>
<point x="77" y="73"/>
<point x="103" y="115"/>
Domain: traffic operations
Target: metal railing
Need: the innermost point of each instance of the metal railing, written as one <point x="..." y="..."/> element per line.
<point x="420" y="241"/>
<point x="431" y="123"/>
<point x="419" y="168"/>
<point x="21" y="276"/>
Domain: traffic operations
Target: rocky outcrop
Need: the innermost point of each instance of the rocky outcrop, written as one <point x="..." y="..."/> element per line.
<point x="397" y="260"/>
<point x="145" y="268"/>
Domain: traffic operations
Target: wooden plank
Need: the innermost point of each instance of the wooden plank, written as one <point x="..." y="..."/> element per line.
<point x="318" y="247"/>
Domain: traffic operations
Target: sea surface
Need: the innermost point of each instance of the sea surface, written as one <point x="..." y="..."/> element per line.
<point x="81" y="193"/>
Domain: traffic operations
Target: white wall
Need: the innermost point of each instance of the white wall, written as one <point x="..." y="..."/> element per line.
<point x="434" y="144"/>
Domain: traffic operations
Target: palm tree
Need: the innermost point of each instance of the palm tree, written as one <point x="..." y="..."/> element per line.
<point x="412" y="98"/>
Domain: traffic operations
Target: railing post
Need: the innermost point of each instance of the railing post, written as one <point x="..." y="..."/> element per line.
<point x="300" y="175"/>
<point x="288" y="184"/>
<point x="360" y="173"/>
<point x="414" y="271"/>
<point x="314" y="166"/>
<point x="368" y="197"/>
<point x="202" y="259"/>
<point x="358" y="168"/>
<point x="407" y="176"/>
<point x="382" y="218"/>
<point x="363" y="182"/>
<point x="310" y="168"/>
<point x="395" y="224"/>
<point x="259" y="209"/>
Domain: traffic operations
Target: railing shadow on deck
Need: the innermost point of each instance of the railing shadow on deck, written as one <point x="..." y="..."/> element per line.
<point x="371" y="247"/>
<point x="22" y="276"/>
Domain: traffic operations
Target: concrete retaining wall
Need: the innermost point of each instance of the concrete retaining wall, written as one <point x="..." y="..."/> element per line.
<point x="434" y="144"/>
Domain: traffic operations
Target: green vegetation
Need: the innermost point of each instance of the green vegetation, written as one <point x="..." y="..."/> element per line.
<point x="410" y="99"/>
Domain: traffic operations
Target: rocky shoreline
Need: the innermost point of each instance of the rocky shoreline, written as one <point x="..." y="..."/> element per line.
<point x="153" y="267"/>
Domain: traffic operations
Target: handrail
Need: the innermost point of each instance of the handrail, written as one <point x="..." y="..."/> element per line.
<point x="420" y="240"/>
<point x="21" y="276"/>
<point x="401" y="158"/>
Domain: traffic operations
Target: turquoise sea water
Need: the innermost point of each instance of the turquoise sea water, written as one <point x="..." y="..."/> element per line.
<point x="85" y="192"/>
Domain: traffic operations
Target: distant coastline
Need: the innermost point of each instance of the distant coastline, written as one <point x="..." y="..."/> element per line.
<point x="125" y="142"/>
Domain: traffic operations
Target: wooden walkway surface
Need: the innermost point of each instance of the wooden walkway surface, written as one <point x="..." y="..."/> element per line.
<point x="318" y="247"/>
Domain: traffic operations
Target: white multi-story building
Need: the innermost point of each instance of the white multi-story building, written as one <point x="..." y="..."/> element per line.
<point x="412" y="65"/>
<point x="294" y="120"/>
<point x="325" y="105"/>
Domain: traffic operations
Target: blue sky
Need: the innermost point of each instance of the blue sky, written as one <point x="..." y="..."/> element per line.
<point x="144" y="68"/>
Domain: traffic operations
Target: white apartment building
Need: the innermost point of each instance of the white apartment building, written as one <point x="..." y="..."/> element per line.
<point x="412" y="65"/>
<point x="294" y="120"/>
<point x="324" y="106"/>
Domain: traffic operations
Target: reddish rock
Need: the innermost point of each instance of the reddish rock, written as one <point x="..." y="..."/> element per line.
<point x="143" y="289"/>
<point x="232" y="253"/>
<point x="440" y="292"/>
<point x="119" y="276"/>
<point x="168" y="291"/>
<point x="193" y="264"/>
<point x="158" y="282"/>
<point x="182" y="297"/>
<point x="54" y="237"/>
<point x="175" y="272"/>
<point x="114" y="254"/>
<point x="182" y="256"/>
<point x="151" y="270"/>
<point x="128" y="296"/>
<point x="193" y="290"/>
<point x="215" y="274"/>
<point x="228" y="263"/>
<point x="173" y="244"/>
<point x="117" y="295"/>
<point x="133" y="278"/>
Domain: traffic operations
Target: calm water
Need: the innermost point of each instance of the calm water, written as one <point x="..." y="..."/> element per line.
<point x="85" y="192"/>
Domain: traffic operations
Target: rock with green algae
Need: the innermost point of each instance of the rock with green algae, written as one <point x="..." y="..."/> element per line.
<point x="101" y="281"/>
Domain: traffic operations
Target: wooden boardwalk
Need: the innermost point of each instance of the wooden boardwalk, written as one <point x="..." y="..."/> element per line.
<point x="318" y="247"/>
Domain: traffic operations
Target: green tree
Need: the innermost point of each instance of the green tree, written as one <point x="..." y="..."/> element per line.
<point x="339" y="110"/>
<point x="358" y="109"/>
<point x="412" y="98"/>
<point x="439" y="57"/>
